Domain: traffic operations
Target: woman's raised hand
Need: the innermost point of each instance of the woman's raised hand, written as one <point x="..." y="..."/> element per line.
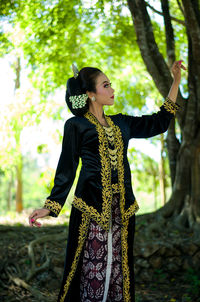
<point x="176" y="70"/>
<point x="40" y="213"/>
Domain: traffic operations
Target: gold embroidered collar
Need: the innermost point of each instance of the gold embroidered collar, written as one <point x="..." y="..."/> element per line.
<point x="104" y="217"/>
<point x="92" y="118"/>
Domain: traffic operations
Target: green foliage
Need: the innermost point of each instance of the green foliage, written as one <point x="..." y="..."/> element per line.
<point x="138" y="298"/>
<point x="15" y="118"/>
<point x="55" y="34"/>
<point x="160" y="274"/>
<point x="42" y="148"/>
<point x="99" y="33"/>
<point x="19" y="224"/>
<point x="33" y="193"/>
<point x="146" y="178"/>
<point x="51" y="35"/>
<point x="193" y="279"/>
<point x="5" y="46"/>
<point x="47" y="180"/>
<point x="8" y="8"/>
<point x="146" y="170"/>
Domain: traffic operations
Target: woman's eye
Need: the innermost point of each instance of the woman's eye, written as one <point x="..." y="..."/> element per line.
<point x="107" y="85"/>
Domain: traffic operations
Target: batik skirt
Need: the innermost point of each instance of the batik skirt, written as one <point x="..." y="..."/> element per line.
<point x="98" y="275"/>
<point x="101" y="274"/>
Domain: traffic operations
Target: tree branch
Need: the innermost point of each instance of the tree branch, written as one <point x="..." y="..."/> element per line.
<point x="19" y="282"/>
<point x="161" y="14"/>
<point x="169" y="32"/>
<point x="34" y="269"/>
<point x="151" y="55"/>
<point x="173" y="146"/>
<point x="191" y="12"/>
<point x="193" y="104"/>
<point x="180" y="7"/>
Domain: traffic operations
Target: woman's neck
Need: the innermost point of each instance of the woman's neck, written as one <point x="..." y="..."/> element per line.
<point x="97" y="111"/>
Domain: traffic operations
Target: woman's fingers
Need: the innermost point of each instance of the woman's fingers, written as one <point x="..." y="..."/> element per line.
<point x="34" y="222"/>
<point x="176" y="69"/>
<point x="40" y="213"/>
<point x="32" y="217"/>
<point x="181" y="65"/>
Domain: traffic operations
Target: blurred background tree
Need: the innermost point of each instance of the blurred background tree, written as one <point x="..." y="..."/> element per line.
<point x="134" y="43"/>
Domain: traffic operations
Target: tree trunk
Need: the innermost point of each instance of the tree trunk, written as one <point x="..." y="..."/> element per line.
<point x="184" y="204"/>
<point x="155" y="192"/>
<point x="184" y="155"/>
<point x="162" y="172"/>
<point x="19" y="200"/>
<point x="19" y="166"/>
<point x="17" y="72"/>
<point x="9" y="192"/>
<point x="173" y="146"/>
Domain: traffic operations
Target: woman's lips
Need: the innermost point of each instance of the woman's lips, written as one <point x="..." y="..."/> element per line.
<point x="112" y="97"/>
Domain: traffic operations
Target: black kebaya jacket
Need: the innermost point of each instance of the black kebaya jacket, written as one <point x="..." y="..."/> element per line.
<point x="85" y="138"/>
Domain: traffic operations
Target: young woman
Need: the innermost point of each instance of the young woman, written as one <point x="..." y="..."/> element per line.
<point x="99" y="255"/>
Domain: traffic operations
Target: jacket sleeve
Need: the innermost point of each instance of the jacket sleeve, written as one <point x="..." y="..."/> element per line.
<point x="150" y="125"/>
<point x="66" y="169"/>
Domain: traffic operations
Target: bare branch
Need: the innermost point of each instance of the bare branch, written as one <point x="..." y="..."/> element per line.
<point x="153" y="59"/>
<point x="34" y="269"/>
<point x="191" y="16"/>
<point x="169" y="32"/>
<point x="19" y="282"/>
<point x="151" y="55"/>
<point x="161" y="14"/>
<point x="180" y="6"/>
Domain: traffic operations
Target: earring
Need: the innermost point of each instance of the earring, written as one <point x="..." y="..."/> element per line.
<point x="93" y="98"/>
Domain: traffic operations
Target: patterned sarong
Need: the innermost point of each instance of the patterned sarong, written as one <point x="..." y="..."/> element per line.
<point x="95" y="286"/>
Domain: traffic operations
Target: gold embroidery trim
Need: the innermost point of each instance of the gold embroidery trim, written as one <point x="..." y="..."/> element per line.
<point x="124" y="230"/>
<point x="125" y="266"/>
<point x="83" y="230"/>
<point x="112" y="152"/>
<point x="91" y="212"/>
<point x="107" y="191"/>
<point x="109" y="133"/>
<point x="103" y="218"/>
<point x="115" y="188"/>
<point x="53" y="206"/>
<point x="113" y="158"/>
<point x="132" y="209"/>
<point x="170" y="106"/>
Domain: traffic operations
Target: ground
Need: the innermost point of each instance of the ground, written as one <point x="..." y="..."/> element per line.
<point x="32" y="272"/>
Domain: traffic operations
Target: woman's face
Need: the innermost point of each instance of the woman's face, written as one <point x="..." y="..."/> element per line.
<point x="104" y="92"/>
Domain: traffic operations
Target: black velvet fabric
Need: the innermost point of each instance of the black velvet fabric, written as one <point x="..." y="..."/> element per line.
<point x="73" y="293"/>
<point x="81" y="141"/>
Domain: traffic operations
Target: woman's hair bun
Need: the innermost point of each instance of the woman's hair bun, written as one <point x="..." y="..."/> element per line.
<point x="74" y="86"/>
<point x="85" y="81"/>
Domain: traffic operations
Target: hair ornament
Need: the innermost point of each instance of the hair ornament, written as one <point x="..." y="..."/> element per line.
<point x="78" y="101"/>
<point x="75" y="70"/>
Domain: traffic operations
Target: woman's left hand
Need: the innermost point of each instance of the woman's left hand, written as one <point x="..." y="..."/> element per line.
<point x="176" y="70"/>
